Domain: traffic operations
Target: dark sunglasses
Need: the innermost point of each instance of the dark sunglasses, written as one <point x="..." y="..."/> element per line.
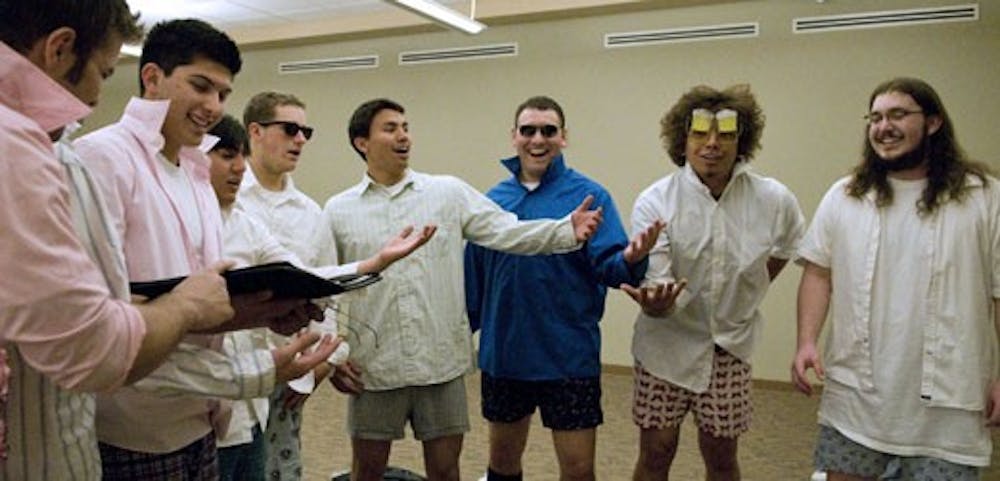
<point x="548" y="130"/>
<point x="291" y="128"/>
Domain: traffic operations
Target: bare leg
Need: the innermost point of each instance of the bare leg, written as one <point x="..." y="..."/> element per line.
<point x="369" y="459"/>
<point x="441" y="457"/>
<point x="657" y="448"/>
<point x="575" y="450"/>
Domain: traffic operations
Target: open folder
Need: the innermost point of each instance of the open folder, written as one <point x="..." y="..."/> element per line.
<point x="281" y="278"/>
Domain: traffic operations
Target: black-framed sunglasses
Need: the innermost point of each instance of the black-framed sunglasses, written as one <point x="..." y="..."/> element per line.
<point x="548" y="130"/>
<point x="291" y="128"/>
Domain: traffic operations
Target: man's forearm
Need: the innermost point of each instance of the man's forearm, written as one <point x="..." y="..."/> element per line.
<point x="813" y="302"/>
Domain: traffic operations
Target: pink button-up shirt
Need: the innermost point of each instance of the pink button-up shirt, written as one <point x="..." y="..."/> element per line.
<point x="58" y="322"/>
<point x="147" y="217"/>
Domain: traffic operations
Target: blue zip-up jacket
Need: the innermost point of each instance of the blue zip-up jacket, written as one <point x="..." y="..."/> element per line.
<point x="539" y="315"/>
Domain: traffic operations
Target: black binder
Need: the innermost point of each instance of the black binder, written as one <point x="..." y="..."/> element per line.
<point x="281" y="278"/>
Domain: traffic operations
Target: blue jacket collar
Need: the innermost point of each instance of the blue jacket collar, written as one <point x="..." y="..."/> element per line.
<point x="556" y="168"/>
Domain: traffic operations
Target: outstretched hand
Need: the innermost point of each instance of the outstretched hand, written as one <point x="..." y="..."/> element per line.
<point x="643" y="242"/>
<point x="407" y="241"/>
<point x="657" y="300"/>
<point x="806" y="357"/>
<point x="586" y="221"/>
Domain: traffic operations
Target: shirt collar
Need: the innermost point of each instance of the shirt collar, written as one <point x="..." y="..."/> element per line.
<point x="409" y="178"/>
<point x="740" y="168"/>
<point x="250" y="182"/>
<point x="28" y="90"/>
<point x="556" y="168"/>
<point x="145" y="117"/>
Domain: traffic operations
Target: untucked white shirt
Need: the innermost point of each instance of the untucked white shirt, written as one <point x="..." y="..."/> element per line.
<point x="418" y="309"/>
<point x="911" y="347"/>
<point x="721" y="247"/>
<point x="295" y="221"/>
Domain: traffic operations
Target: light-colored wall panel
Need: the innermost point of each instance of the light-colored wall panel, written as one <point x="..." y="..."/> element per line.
<point x="813" y="88"/>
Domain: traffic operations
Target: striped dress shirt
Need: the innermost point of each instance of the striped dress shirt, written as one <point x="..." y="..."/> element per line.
<point x="418" y="310"/>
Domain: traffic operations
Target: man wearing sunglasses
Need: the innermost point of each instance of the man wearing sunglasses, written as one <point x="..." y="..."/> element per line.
<point x="729" y="233"/>
<point x="417" y="373"/>
<point x="276" y="126"/>
<point x="154" y="178"/>
<point x="544" y="351"/>
<point x="906" y="250"/>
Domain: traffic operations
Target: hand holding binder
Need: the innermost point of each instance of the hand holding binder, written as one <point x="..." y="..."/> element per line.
<point x="284" y="280"/>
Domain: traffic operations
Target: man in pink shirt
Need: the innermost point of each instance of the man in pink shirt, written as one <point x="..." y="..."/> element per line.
<point x="66" y="325"/>
<point x="155" y="180"/>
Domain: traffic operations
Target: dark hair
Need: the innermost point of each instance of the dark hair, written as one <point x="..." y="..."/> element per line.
<point x="361" y="119"/>
<point x="541" y="102"/>
<point x="179" y="42"/>
<point x="231" y="134"/>
<point x="25" y="22"/>
<point x="947" y="165"/>
<point x="261" y="107"/>
<point x="675" y="123"/>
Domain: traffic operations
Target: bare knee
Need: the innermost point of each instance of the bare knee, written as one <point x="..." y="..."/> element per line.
<point x="719" y="455"/>
<point x="657" y="449"/>
<point x="369" y="459"/>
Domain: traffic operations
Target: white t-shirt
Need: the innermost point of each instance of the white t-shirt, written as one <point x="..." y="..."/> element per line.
<point x="176" y="181"/>
<point x="893" y="418"/>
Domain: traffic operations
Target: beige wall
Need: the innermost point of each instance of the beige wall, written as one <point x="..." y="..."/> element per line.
<point x="813" y="89"/>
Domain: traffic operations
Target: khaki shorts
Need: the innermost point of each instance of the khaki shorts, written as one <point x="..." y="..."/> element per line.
<point x="723" y="410"/>
<point x="433" y="411"/>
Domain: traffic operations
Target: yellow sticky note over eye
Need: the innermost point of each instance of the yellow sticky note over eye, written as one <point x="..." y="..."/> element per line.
<point x="701" y="120"/>
<point x="726" y="120"/>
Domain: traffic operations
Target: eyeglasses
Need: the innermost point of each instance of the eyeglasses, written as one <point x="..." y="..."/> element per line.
<point x="894" y="115"/>
<point x="291" y="128"/>
<point x="548" y="130"/>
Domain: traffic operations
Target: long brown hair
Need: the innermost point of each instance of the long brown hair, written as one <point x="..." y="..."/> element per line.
<point x="947" y="165"/>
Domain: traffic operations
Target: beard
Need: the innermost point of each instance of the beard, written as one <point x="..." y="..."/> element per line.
<point x="906" y="161"/>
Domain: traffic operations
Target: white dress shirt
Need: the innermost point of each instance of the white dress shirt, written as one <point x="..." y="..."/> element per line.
<point x="294" y="220"/>
<point x="721" y="247"/>
<point x="418" y="310"/>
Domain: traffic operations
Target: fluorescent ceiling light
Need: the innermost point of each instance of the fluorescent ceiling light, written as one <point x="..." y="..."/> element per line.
<point x="441" y="14"/>
<point x="131" y="50"/>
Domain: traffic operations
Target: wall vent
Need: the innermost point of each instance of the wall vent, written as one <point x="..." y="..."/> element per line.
<point x="455" y="54"/>
<point x="686" y="34"/>
<point x="888" y="18"/>
<point x="329" y="64"/>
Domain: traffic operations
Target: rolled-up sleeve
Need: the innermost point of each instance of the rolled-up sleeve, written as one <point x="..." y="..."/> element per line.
<point x="55" y="308"/>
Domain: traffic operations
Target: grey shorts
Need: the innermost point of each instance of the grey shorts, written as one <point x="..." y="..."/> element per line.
<point x="433" y="411"/>
<point x="836" y="453"/>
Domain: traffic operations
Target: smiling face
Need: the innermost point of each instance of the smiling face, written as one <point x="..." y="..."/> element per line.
<point x="274" y="150"/>
<point x="897" y="128"/>
<point x="197" y="94"/>
<point x="712" y="154"/>
<point x="387" y="147"/>
<point x="534" y="148"/>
